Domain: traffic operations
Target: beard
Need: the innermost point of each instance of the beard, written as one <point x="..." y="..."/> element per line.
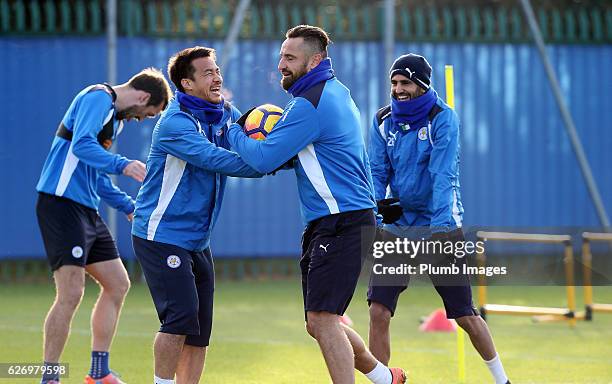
<point x="125" y="113"/>
<point x="411" y="95"/>
<point x="288" y="81"/>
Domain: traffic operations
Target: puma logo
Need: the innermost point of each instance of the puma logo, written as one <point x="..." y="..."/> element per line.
<point x="391" y="139"/>
<point x="324" y="247"/>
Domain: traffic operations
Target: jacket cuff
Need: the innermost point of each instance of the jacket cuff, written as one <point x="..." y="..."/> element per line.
<point x="121" y="164"/>
<point x="129" y="207"/>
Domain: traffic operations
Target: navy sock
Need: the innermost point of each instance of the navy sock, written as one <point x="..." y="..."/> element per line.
<point x="99" y="364"/>
<point x="51" y="374"/>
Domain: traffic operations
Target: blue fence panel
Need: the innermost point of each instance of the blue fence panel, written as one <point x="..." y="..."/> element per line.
<point x="517" y="169"/>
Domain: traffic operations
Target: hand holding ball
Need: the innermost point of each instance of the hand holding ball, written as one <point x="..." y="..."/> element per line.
<point x="260" y="121"/>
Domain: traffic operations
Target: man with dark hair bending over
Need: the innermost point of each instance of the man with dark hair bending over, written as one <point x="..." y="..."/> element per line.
<point x="73" y="179"/>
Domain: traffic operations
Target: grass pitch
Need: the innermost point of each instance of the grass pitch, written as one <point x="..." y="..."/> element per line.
<point x="259" y="337"/>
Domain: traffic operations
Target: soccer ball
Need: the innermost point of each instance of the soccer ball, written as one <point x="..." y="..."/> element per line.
<point x="261" y="121"/>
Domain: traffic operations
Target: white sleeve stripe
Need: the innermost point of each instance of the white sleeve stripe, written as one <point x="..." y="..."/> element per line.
<point x="381" y="129"/>
<point x="456" y="213"/>
<point x="108" y="116"/>
<point x="314" y="172"/>
<point x="173" y="172"/>
<point x="70" y="164"/>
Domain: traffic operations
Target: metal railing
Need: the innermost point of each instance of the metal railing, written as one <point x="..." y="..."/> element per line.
<point x="345" y="21"/>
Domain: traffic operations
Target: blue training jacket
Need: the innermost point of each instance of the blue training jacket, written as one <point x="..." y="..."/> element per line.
<point x="187" y="168"/>
<point x="421" y="168"/>
<point x="78" y="169"/>
<point x="321" y="126"/>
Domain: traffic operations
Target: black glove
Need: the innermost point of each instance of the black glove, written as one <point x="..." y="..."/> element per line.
<point x="390" y="211"/>
<point x="383" y="235"/>
<point x="440" y="236"/>
<point x="242" y="120"/>
<point x="454" y="237"/>
<point x="290" y="164"/>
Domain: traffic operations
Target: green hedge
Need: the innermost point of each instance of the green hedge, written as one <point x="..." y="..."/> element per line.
<point x="347" y="21"/>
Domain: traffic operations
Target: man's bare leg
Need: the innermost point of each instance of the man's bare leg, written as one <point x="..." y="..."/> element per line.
<point x="69" y="285"/>
<point x="480" y="336"/>
<point x="334" y="344"/>
<point x="481" y="339"/>
<point x="379" y="337"/>
<point x="167" y="350"/>
<point x="364" y="360"/>
<point x="190" y="365"/>
<point x="114" y="285"/>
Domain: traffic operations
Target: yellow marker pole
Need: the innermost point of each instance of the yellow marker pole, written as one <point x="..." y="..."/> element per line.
<point x="586" y="270"/>
<point x="450" y="100"/>
<point x="450" y="86"/>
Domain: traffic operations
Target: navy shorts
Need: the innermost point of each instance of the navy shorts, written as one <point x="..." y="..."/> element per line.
<point x="332" y="251"/>
<point x="455" y="291"/>
<point x="73" y="234"/>
<point x="182" y="285"/>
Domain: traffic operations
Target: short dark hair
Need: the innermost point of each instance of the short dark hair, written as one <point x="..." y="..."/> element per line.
<point x="316" y="37"/>
<point x="179" y="65"/>
<point x="152" y="81"/>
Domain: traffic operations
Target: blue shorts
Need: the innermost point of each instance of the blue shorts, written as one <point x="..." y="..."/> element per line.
<point x="332" y="251"/>
<point x="456" y="294"/>
<point x="182" y="285"/>
<point x="73" y="234"/>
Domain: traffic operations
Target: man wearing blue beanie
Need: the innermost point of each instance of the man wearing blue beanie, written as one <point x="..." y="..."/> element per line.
<point x="414" y="153"/>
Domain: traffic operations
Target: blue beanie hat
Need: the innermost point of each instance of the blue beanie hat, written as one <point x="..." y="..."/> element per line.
<point x="414" y="67"/>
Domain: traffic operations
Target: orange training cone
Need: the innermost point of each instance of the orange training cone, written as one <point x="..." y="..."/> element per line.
<point x="437" y="322"/>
